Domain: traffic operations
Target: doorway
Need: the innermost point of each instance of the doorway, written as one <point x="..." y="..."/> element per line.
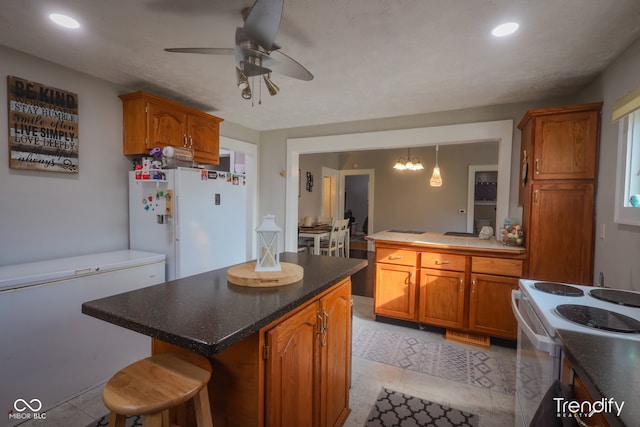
<point x="482" y="197"/>
<point x="356" y="189"/>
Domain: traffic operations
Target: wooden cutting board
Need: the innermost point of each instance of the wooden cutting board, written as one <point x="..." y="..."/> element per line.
<point x="244" y="275"/>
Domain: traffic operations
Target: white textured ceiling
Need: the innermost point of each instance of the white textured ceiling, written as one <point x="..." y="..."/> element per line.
<point x="370" y="58"/>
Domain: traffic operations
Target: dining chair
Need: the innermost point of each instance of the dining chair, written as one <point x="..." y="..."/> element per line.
<point x="343" y="233"/>
<point x="330" y="245"/>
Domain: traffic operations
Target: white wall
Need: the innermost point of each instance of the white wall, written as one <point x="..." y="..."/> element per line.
<point x="310" y="203"/>
<point x="405" y="200"/>
<point x="46" y="215"/>
<point x="617" y="254"/>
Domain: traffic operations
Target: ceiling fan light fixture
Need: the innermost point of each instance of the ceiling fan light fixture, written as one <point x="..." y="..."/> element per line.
<point x="241" y="78"/>
<point x="246" y="92"/>
<point x="271" y="86"/>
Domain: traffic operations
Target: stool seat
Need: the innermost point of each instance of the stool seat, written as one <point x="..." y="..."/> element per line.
<point x="157" y="383"/>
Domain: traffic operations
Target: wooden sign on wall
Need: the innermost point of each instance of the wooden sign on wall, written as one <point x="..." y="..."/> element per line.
<point x="43" y="127"/>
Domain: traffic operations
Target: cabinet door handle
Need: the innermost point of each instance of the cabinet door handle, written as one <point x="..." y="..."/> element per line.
<point x="320" y="332"/>
<point x="394" y="257"/>
<point x="438" y="262"/>
<point x="473" y="285"/>
<point x="460" y="287"/>
<point x="184" y="140"/>
<point x="190" y="141"/>
<point x="408" y="279"/>
<point x="536" y="195"/>
<point x="537" y="166"/>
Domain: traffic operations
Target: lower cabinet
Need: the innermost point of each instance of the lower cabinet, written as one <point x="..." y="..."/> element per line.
<point x="395" y="291"/>
<point x="307" y="377"/>
<point x="581" y="394"/>
<point x="294" y="372"/>
<point x="464" y="290"/>
<point x="442" y="298"/>
<point x="490" y="306"/>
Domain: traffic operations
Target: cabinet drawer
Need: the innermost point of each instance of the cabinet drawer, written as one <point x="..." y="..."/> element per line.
<point x="442" y="261"/>
<point x="396" y="256"/>
<point x="497" y="266"/>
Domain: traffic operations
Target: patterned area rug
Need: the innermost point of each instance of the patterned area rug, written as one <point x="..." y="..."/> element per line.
<point x="394" y="409"/>
<point x="133" y="421"/>
<point x="460" y="363"/>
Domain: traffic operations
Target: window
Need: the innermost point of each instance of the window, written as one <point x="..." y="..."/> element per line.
<point x="627" y="208"/>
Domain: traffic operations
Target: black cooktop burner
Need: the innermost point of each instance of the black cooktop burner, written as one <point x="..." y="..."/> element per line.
<point x="617" y="296"/>
<point x="558" y="289"/>
<point x="598" y="318"/>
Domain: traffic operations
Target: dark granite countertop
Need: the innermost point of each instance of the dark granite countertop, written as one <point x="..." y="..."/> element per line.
<point x="608" y="366"/>
<point x="207" y="314"/>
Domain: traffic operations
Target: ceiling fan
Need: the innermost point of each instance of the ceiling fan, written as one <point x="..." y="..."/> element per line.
<point x="256" y="52"/>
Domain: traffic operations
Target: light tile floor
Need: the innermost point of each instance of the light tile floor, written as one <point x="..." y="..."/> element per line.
<point x="493" y="409"/>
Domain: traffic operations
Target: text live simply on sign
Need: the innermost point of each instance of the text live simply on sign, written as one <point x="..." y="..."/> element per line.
<point x="43" y="127"/>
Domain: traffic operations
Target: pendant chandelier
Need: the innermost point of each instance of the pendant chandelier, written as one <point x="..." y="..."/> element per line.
<point x="436" y="178"/>
<point x="408" y="164"/>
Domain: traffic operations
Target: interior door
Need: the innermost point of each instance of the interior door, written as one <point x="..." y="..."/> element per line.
<point x="330" y="199"/>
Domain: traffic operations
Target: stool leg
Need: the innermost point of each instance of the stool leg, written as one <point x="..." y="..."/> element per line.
<point x="203" y="408"/>
<point x="116" y="420"/>
<point x="152" y="420"/>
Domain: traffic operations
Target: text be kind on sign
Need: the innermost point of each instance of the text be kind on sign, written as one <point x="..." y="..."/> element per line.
<point x="43" y="127"/>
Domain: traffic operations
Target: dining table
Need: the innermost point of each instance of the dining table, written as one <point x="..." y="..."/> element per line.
<point x="319" y="232"/>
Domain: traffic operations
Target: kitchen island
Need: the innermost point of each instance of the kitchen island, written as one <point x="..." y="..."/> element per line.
<point x="606" y="368"/>
<point x="461" y="283"/>
<point x="280" y="355"/>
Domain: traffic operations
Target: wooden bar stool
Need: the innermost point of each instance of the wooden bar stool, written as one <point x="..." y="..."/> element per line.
<point x="152" y="386"/>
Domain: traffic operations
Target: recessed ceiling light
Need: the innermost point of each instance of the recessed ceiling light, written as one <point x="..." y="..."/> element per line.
<point x="505" y="29"/>
<point x="64" y="20"/>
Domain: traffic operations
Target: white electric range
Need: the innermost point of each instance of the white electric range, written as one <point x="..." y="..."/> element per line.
<point x="545" y="307"/>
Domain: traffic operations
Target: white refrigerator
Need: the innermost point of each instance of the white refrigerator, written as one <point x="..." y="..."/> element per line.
<point x="196" y="217"/>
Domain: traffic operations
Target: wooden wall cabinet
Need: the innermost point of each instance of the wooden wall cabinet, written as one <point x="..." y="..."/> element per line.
<point x="150" y="121"/>
<point x="558" y="158"/>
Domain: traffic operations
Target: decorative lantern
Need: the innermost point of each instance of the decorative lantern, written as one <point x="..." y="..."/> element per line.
<point x="268" y="237"/>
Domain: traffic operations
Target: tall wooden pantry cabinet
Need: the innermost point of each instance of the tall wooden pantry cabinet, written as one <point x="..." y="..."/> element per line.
<point x="558" y="174"/>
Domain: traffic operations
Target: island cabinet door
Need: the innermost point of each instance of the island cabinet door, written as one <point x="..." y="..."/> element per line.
<point x="335" y="342"/>
<point x="292" y="370"/>
<point x="490" y="305"/>
<point x="441" y="299"/>
<point x="395" y="291"/>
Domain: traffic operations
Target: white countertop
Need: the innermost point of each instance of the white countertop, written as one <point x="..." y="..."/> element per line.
<point x="439" y="239"/>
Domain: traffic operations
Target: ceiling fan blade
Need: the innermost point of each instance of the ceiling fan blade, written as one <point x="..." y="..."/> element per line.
<point x="203" y="50"/>
<point x="289" y="66"/>
<point x="263" y="22"/>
